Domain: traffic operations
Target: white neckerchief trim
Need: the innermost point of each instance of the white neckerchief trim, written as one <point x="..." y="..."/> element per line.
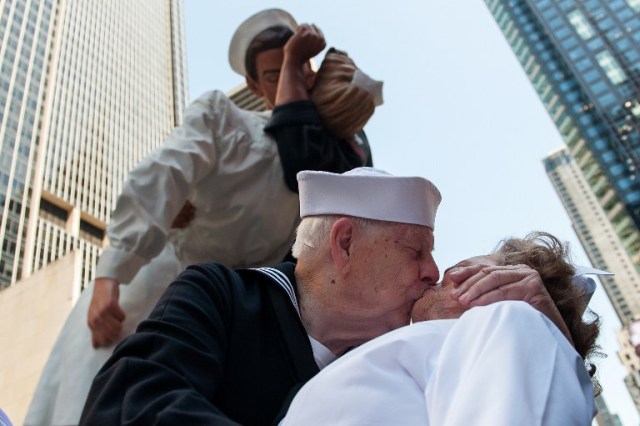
<point x="283" y="281"/>
<point x="321" y="354"/>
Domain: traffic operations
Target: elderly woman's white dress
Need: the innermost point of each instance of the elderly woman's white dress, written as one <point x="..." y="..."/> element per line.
<point x="223" y="162"/>
<point x="501" y="365"/>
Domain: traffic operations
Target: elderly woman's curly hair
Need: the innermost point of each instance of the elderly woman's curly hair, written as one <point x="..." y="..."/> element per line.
<point x="343" y="106"/>
<point x="547" y="255"/>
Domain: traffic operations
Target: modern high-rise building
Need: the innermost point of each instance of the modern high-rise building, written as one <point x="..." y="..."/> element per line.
<point x="605" y="251"/>
<point x="596" y="233"/>
<point x="87" y="89"/>
<point x="583" y="59"/>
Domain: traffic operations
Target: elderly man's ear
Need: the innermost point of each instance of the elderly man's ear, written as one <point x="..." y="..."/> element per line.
<point x="341" y="240"/>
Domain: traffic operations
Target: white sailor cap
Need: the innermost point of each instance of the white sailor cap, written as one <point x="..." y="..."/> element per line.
<point x="369" y="193"/>
<point x="250" y="28"/>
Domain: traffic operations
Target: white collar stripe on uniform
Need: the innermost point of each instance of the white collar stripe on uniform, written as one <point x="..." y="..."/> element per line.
<point x="283" y="281"/>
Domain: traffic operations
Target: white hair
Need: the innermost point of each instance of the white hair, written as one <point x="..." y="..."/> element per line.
<point x="311" y="233"/>
<point x="314" y="231"/>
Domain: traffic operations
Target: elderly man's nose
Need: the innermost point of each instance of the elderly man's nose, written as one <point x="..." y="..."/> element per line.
<point x="430" y="272"/>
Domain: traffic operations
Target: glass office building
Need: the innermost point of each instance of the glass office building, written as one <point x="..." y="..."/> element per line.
<point x="583" y="59"/>
<point x="87" y="89"/>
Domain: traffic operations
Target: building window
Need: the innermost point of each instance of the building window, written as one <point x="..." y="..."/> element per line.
<point x="634" y="4"/>
<point x="617" y="169"/>
<point x="632" y="56"/>
<point x="605" y="24"/>
<point x="632" y="25"/>
<point x="624" y="183"/>
<point x="566" y="4"/>
<point x="583" y="64"/>
<point x="569" y="43"/>
<point x="599" y="87"/>
<point x="611" y="67"/>
<point x="625" y="14"/>
<point x="576" y="54"/>
<point x="591" y="76"/>
<point x="607" y="100"/>
<point x="555" y="22"/>
<point x="562" y="33"/>
<point x="581" y="25"/>
<point x="623" y="45"/>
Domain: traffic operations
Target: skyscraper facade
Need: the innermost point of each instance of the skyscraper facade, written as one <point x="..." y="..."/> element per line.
<point x="596" y="233"/>
<point x="605" y="251"/>
<point x="87" y="89"/>
<point x="583" y="59"/>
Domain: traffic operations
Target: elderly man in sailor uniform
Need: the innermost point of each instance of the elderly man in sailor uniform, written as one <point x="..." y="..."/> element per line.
<point x="233" y="346"/>
<point x="502" y="364"/>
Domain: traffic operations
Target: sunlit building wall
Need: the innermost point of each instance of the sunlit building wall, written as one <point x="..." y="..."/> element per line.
<point x="596" y="233"/>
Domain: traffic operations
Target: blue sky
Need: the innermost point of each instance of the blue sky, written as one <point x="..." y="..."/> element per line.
<point x="458" y="110"/>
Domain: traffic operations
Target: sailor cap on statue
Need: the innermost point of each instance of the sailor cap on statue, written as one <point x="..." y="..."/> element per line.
<point x="250" y="28"/>
<point x="369" y="193"/>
